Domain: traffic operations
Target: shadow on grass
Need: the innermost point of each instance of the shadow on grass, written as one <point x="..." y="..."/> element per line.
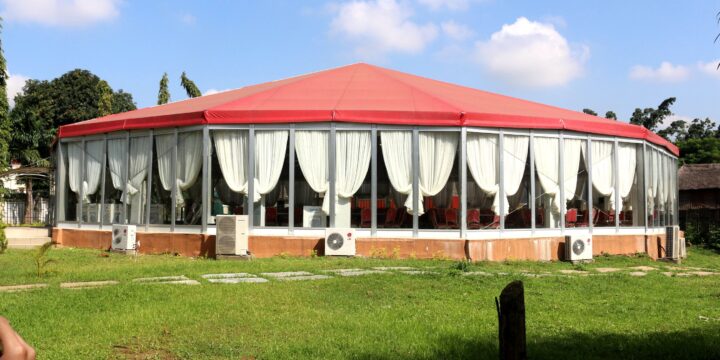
<point x="692" y="344"/>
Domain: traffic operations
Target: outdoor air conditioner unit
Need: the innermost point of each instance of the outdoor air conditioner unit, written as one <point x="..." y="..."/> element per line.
<point x="578" y="247"/>
<point x="124" y="237"/>
<point x="232" y="235"/>
<point x="674" y="244"/>
<point x="339" y="242"/>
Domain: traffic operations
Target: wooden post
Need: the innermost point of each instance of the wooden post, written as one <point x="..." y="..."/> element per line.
<point x="511" y="318"/>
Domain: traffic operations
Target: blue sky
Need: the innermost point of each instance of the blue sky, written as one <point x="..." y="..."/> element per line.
<point x="610" y="55"/>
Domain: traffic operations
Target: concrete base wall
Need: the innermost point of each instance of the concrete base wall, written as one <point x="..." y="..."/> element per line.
<point x="540" y="249"/>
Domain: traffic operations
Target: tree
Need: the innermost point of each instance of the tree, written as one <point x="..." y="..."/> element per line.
<point x="650" y="118"/>
<point x="700" y="150"/>
<point x="190" y="87"/>
<point x="610" y="115"/>
<point x="677" y="131"/>
<point x="105" y="98"/>
<point x="589" y="112"/>
<point x="164" y="93"/>
<point x="122" y="102"/>
<point x="699" y="129"/>
<point x="5" y="124"/>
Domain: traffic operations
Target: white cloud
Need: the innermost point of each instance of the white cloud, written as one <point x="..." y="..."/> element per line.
<point x="456" y="31"/>
<point x="710" y="68"/>
<point x="15" y="83"/>
<point x="449" y="4"/>
<point x="666" y="72"/>
<point x="60" y="12"/>
<point x="214" y="91"/>
<point x="381" y="26"/>
<point x="529" y="53"/>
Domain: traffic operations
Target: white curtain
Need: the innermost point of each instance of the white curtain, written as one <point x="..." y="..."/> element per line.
<point x="627" y="165"/>
<point x="571" y="166"/>
<point x="482" y="160"/>
<point x="311" y="147"/>
<point x="514" y="159"/>
<point x="667" y="200"/>
<point x="660" y="195"/>
<point x="352" y="159"/>
<point x="164" y="147"/>
<point x="231" y="149"/>
<point x="397" y="154"/>
<point x="117" y="162"/>
<point x="189" y="162"/>
<point x="653" y="185"/>
<point x="547" y="164"/>
<point x="93" y="168"/>
<point x="75" y="151"/>
<point x="437" y="154"/>
<point x="270" y="153"/>
<point x="602" y="170"/>
<point x="133" y="193"/>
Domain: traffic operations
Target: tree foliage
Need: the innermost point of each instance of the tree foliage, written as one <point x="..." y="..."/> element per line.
<point x="44" y="105"/>
<point x="5" y="125"/>
<point x="190" y="88"/>
<point x="610" y="115"/>
<point x="589" y="112"/>
<point x="105" y="98"/>
<point x="164" y="93"/>
<point x="650" y="118"/>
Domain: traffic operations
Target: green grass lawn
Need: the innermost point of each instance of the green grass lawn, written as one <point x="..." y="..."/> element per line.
<point x="385" y="316"/>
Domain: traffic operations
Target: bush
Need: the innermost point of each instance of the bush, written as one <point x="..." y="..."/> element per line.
<point x="708" y="235"/>
<point x="3" y="239"/>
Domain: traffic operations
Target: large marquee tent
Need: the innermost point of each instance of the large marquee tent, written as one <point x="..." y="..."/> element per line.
<point x="348" y="147"/>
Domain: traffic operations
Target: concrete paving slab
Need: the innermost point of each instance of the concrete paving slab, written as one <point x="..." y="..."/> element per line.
<point x="574" y="272"/>
<point x="637" y="273"/>
<point x="161" y="279"/>
<point x="668" y="273"/>
<point x="703" y="273"/>
<point x="643" y="268"/>
<point x="286" y="274"/>
<point x="304" y="277"/>
<point x="361" y="272"/>
<point x="417" y="272"/>
<point x="227" y="276"/>
<point x="87" y="284"/>
<point x="24" y="287"/>
<point x="338" y="271"/>
<point x="238" y="280"/>
<point x="606" y="269"/>
<point x="178" y="282"/>
<point x="396" y="268"/>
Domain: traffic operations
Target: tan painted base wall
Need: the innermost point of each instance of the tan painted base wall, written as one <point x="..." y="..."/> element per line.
<point x="541" y="249"/>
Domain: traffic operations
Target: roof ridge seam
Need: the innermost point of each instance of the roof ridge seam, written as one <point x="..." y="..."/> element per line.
<point x="385" y="74"/>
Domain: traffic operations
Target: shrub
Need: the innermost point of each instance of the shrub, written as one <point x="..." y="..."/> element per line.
<point x="41" y="258"/>
<point x="3" y="239"/>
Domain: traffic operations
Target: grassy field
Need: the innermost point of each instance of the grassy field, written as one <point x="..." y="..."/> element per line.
<point x="443" y="315"/>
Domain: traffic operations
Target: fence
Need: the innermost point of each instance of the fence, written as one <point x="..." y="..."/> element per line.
<point x="13" y="212"/>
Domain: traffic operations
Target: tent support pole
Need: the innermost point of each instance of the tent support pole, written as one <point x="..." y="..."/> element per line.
<point x="251" y="179"/>
<point x="291" y="180"/>
<point x="373" y="182"/>
<point x="416" y="174"/>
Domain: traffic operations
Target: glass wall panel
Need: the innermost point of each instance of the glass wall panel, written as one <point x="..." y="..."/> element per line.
<point x="271" y="153"/>
<point x="438" y="180"/>
<point x="576" y="183"/>
<point x="67" y="195"/>
<point x="394" y="173"/>
<point x="352" y="164"/>
<point x="228" y="180"/>
<point x="311" y="178"/>
<point x="482" y="181"/>
<point x="516" y="181"/>
<point x="136" y="187"/>
<point x="162" y="180"/>
<point x="115" y="173"/>
<point x="547" y="182"/>
<point x="603" y="178"/>
<point x="189" y="182"/>
<point x="630" y="173"/>
<point x="90" y="183"/>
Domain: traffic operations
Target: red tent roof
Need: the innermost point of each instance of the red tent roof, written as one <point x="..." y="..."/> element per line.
<point x="362" y="93"/>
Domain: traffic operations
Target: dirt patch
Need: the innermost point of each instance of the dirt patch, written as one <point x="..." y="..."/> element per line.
<point x="136" y="350"/>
